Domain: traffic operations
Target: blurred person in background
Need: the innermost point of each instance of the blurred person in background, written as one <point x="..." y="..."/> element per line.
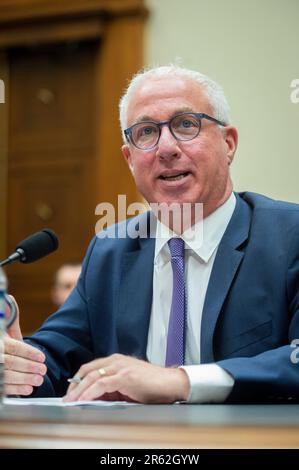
<point x="65" y="279"/>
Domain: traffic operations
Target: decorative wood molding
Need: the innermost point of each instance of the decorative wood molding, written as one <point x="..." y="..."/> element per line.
<point x="26" y="10"/>
<point x="51" y="31"/>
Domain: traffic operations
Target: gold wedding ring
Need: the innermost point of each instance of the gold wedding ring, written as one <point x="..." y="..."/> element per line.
<point x="102" y="372"/>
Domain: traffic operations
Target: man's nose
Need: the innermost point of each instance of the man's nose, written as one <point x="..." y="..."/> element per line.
<point x="168" y="145"/>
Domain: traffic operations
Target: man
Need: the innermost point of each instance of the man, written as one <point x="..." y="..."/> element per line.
<point x="236" y="309"/>
<point x="65" y="280"/>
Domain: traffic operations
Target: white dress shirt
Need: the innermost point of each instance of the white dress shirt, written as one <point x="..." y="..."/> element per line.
<point x="209" y="382"/>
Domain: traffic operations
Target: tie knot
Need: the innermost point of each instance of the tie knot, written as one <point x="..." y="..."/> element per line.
<point x="176" y="246"/>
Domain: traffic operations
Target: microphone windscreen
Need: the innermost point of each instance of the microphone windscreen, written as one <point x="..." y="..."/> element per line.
<point x="38" y="245"/>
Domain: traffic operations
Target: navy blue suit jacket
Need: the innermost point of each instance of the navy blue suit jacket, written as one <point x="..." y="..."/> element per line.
<point x="250" y="314"/>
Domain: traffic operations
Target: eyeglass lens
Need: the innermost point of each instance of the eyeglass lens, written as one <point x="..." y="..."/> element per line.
<point x="183" y="127"/>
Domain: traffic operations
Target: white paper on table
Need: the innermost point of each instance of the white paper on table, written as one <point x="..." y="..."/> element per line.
<point x="58" y="402"/>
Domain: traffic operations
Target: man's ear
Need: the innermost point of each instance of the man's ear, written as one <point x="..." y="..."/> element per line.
<point x="231" y="140"/>
<point x="127" y="155"/>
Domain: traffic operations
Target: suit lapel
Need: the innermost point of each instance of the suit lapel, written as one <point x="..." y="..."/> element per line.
<point x="135" y="297"/>
<point x="225" y="266"/>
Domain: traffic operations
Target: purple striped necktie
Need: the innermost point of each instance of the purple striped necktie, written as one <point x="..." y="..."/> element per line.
<point x="175" y="352"/>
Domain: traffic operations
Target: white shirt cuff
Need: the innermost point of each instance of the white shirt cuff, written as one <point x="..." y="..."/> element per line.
<point x="209" y="383"/>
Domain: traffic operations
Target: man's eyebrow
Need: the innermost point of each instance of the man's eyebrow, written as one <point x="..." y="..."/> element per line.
<point x="145" y="117"/>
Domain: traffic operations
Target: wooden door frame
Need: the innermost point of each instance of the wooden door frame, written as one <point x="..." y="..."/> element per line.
<point x="119" y="25"/>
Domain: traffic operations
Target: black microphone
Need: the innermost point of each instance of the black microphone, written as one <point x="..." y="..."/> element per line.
<point x="34" y="247"/>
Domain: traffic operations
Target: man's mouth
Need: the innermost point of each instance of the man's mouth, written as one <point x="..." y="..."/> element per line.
<point x="175" y="177"/>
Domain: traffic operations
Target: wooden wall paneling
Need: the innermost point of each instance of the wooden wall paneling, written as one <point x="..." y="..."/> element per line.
<point x="50" y="195"/>
<point x="119" y="58"/>
<point x="51" y="135"/>
<point x="52" y="110"/>
<point x="32" y="191"/>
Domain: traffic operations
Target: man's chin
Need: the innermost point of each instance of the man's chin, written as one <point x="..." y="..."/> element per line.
<point x="179" y="201"/>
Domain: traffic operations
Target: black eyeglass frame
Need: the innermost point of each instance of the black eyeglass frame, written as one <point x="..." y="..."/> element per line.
<point x="199" y="116"/>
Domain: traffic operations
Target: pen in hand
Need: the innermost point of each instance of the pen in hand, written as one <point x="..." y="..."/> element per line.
<point x="75" y="380"/>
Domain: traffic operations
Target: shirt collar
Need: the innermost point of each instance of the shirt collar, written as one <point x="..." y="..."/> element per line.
<point x="204" y="237"/>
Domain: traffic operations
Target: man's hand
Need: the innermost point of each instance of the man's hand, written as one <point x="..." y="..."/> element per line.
<point x="24" y="364"/>
<point x="120" y="377"/>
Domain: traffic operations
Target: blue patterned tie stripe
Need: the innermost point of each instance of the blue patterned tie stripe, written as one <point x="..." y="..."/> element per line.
<point x="175" y="351"/>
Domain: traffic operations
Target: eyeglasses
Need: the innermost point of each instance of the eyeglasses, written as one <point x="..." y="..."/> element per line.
<point x="145" y="135"/>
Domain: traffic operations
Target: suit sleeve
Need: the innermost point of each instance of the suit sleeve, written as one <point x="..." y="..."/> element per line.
<point x="272" y="375"/>
<point x="65" y="339"/>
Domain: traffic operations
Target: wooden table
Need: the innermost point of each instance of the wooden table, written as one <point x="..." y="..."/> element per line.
<point x="150" y="426"/>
